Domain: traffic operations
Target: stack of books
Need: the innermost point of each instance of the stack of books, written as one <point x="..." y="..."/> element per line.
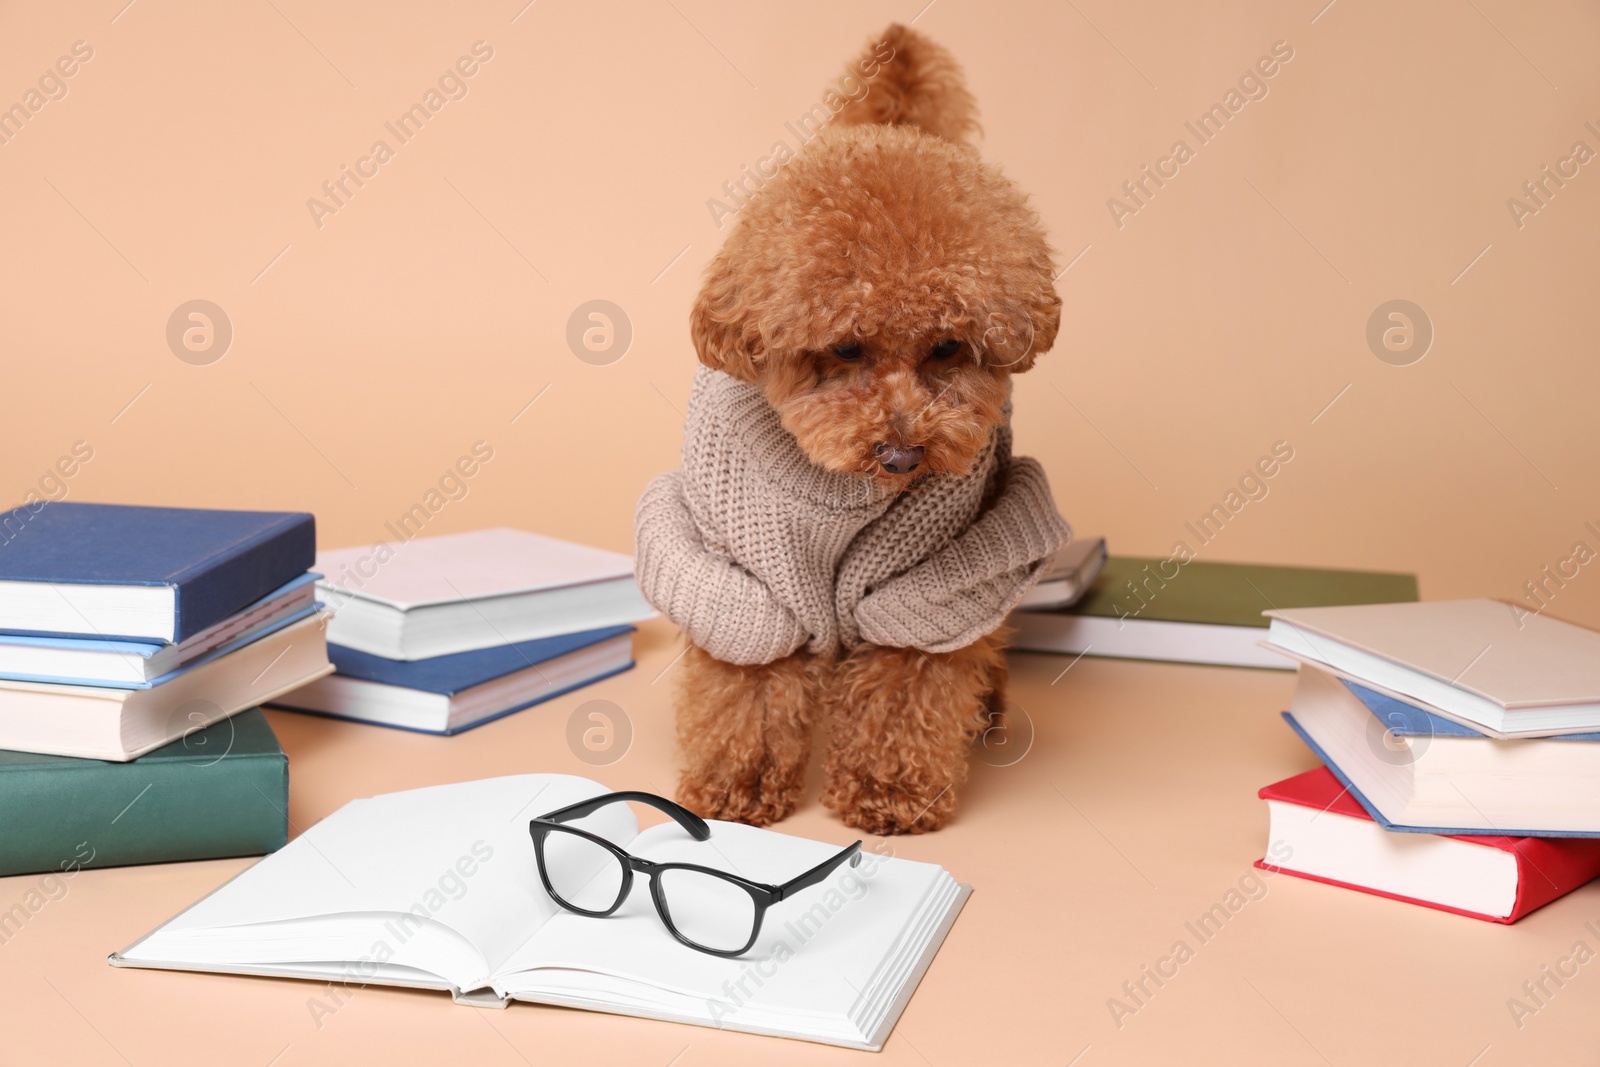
<point x="1458" y="742"/>
<point x="136" y="644"/>
<point x="441" y="634"/>
<point x="1186" y="612"/>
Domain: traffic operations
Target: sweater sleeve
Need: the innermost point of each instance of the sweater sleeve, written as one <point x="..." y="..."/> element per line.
<point x="695" y="588"/>
<point x="965" y="590"/>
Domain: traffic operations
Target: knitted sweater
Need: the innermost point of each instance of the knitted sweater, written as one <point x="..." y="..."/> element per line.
<point x="755" y="551"/>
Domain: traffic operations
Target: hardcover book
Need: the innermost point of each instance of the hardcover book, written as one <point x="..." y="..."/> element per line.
<point x="142" y="664"/>
<point x="1491" y="665"/>
<point x="163" y="574"/>
<point x="439" y="888"/>
<point x="1418" y="773"/>
<point x="122" y="724"/>
<point x="1326" y="836"/>
<point x="448" y="694"/>
<point x="1196" y="612"/>
<point x="433" y="596"/>
<point x="1072" y="572"/>
<point x="219" y="791"/>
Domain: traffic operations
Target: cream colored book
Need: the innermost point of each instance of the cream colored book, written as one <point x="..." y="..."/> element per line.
<point x="99" y="722"/>
<point x="439" y="888"/>
<point x="1486" y="663"/>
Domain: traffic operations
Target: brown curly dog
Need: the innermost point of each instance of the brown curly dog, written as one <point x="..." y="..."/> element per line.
<point x="878" y="292"/>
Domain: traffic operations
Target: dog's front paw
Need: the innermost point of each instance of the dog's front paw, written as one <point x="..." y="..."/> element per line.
<point x="758" y="800"/>
<point x="889" y="808"/>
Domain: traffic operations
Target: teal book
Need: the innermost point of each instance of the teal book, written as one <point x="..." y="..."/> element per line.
<point x="220" y="791"/>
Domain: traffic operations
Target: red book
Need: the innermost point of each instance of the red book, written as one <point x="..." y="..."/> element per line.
<point x="1319" y="831"/>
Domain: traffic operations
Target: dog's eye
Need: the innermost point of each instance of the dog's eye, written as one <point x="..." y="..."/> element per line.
<point x="849" y="352"/>
<point x="945" y="349"/>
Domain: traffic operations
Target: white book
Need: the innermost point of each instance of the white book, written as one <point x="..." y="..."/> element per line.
<point x="433" y="596"/>
<point x="94" y="722"/>
<point x="439" y="888"/>
<point x="1488" y="664"/>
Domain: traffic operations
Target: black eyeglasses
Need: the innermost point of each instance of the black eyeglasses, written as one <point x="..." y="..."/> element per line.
<point x="706" y="909"/>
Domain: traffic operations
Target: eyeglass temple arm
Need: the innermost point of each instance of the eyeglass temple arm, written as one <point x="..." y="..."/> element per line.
<point x="820" y="871"/>
<point x="694" y="824"/>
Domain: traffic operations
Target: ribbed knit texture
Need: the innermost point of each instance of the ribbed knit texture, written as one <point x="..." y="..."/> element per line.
<point x="755" y="551"/>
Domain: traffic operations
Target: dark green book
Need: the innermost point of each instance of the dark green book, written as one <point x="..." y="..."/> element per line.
<point x="1196" y="612"/>
<point x="220" y="791"/>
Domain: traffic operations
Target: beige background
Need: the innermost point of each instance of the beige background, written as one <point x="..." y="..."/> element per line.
<point x="1229" y="313"/>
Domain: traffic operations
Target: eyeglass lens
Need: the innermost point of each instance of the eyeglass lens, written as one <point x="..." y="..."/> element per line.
<point x="710" y="911"/>
<point x="585" y="875"/>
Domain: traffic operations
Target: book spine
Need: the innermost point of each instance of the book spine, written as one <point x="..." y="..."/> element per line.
<point x="88" y="813"/>
<point x="249" y="573"/>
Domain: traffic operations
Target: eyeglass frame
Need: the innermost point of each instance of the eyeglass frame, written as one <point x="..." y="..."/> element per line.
<point x="762" y="894"/>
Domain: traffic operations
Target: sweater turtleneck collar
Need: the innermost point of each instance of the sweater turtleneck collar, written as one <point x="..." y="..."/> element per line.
<point x="777" y="454"/>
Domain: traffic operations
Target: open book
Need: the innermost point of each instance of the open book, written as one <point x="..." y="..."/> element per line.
<point x="439" y="888"/>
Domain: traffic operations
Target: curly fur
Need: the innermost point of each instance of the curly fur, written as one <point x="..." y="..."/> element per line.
<point x="889" y="234"/>
<point x="919" y="85"/>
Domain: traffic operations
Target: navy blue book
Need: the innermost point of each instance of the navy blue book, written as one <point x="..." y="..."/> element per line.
<point x="448" y="694"/>
<point x="138" y="573"/>
<point x="1416" y="772"/>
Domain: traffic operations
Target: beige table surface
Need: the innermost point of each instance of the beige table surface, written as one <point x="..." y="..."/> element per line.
<point x="369" y="350"/>
<point x="1132" y="813"/>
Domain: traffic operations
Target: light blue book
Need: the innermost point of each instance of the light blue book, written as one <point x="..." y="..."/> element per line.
<point x="1417" y="772"/>
<point x="124" y="664"/>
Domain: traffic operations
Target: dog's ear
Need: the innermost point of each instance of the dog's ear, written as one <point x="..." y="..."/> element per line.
<point x="1022" y="328"/>
<point x="720" y="325"/>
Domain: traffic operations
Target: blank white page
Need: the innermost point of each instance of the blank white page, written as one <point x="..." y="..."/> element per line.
<point x="835" y="937"/>
<point x="461" y="853"/>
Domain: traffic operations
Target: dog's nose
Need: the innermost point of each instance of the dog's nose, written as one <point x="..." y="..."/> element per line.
<point x="897" y="459"/>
